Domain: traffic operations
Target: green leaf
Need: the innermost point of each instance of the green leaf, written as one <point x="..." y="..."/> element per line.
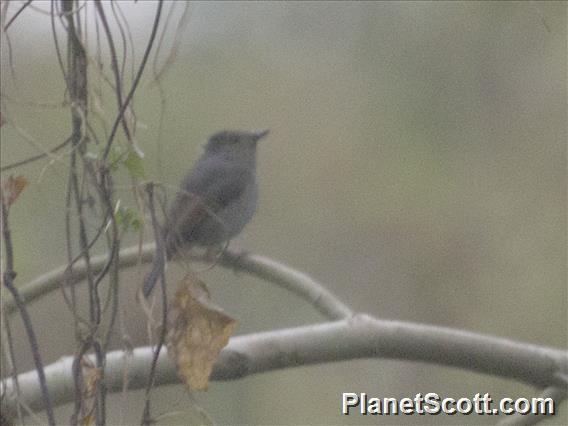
<point x="135" y="165"/>
<point x="113" y="158"/>
<point x="127" y="219"/>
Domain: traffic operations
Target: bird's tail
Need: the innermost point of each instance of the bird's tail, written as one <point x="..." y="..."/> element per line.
<point x="158" y="265"/>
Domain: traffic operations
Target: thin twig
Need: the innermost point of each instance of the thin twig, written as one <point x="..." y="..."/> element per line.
<point x="178" y="37"/>
<point x="160" y="250"/>
<point x="20" y="10"/>
<point x="158" y="73"/>
<point x="7" y="343"/>
<point x="114" y="6"/>
<point x="77" y="86"/>
<point x="53" y="6"/>
<point x="115" y="67"/>
<point x="36" y="157"/>
<point x="77" y="373"/>
<point x="136" y="81"/>
<point x="8" y="281"/>
<point x="10" y="54"/>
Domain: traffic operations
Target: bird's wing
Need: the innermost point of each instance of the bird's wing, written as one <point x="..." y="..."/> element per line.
<point x="217" y="183"/>
<point x="207" y="189"/>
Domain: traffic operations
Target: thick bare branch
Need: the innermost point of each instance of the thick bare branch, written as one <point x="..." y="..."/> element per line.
<point x="358" y="337"/>
<point x="262" y="267"/>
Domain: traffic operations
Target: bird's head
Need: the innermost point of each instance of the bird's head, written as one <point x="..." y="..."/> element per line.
<point x="235" y="140"/>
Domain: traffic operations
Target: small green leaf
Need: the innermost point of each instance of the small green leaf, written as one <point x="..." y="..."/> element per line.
<point x="135" y="165"/>
<point x="119" y="217"/>
<point x="127" y="219"/>
<point x="114" y="158"/>
<point x="136" y="224"/>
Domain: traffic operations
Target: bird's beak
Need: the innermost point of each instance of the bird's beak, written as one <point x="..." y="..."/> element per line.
<point x="259" y="134"/>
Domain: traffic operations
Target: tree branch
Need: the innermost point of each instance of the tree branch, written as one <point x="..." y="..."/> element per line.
<point x="290" y="279"/>
<point x="259" y="266"/>
<point x="356" y="338"/>
<point x="352" y="337"/>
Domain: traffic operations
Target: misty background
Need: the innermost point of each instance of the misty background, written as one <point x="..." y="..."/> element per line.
<point x="416" y="166"/>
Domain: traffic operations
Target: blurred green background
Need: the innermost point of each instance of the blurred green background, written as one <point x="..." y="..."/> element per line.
<point x="416" y="167"/>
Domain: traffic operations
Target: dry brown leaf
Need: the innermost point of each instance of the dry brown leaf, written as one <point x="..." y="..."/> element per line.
<point x="197" y="331"/>
<point x="93" y="377"/>
<point x="12" y="187"/>
<point x="88" y="420"/>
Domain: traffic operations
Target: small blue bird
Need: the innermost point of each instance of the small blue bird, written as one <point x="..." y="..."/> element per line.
<point x="216" y="199"/>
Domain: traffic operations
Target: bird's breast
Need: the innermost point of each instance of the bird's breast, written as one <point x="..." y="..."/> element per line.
<point x="229" y="221"/>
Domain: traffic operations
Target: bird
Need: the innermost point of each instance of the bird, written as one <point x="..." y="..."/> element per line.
<point x="215" y="201"/>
